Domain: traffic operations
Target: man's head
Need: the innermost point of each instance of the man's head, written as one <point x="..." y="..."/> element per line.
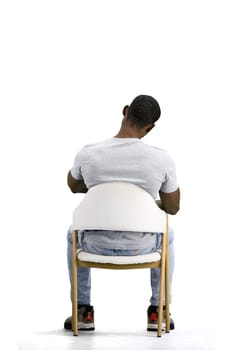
<point x="142" y="113"/>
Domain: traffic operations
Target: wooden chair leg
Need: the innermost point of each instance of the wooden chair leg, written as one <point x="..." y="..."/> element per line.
<point x="161" y="288"/>
<point x="74" y="284"/>
<point x="160" y="312"/>
<point x="167" y="289"/>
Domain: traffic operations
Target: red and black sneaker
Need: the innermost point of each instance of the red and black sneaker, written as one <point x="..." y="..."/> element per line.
<point x="85" y="319"/>
<point x="152" y="319"/>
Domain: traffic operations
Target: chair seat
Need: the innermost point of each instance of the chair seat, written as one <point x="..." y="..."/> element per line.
<point x="118" y="260"/>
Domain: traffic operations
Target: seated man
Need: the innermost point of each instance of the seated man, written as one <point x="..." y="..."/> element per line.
<point x="126" y="158"/>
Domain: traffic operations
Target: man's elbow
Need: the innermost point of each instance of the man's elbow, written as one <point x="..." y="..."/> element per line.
<point x="70" y="185"/>
<point x="72" y="189"/>
<point x="172" y="210"/>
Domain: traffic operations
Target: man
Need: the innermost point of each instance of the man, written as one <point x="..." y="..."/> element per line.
<point x="125" y="158"/>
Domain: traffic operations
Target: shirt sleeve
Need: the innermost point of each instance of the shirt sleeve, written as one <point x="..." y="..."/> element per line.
<point x="76" y="170"/>
<point x="170" y="181"/>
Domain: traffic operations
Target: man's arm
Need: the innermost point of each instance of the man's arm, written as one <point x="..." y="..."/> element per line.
<point x="169" y="202"/>
<point x="76" y="186"/>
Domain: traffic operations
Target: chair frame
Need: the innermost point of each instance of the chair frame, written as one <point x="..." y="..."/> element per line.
<point x="163" y="264"/>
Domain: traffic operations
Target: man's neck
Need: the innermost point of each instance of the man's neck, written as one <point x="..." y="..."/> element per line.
<point x="127" y="133"/>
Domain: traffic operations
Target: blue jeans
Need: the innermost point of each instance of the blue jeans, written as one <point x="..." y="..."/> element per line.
<point x="84" y="274"/>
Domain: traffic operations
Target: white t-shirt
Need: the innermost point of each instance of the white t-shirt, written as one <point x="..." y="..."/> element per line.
<point x="127" y="160"/>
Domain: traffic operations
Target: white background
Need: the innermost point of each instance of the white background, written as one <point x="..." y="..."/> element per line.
<point x="67" y="70"/>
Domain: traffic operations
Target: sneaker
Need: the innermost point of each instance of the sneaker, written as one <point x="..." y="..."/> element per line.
<point x="152" y="319"/>
<point x="85" y="319"/>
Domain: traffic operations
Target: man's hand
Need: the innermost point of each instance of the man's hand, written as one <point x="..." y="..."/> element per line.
<point x="76" y="186"/>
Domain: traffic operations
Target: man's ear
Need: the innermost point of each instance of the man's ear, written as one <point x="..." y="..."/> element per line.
<point x="125" y="110"/>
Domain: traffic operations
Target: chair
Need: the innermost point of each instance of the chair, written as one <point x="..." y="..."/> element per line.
<point x="121" y="206"/>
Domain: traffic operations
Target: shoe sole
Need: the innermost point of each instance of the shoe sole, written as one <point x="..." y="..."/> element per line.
<point x="81" y="326"/>
<point x="86" y="326"/>
<point x="153" y="327"/>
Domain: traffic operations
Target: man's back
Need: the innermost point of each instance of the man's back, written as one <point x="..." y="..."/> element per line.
<point x="127" y="160"/>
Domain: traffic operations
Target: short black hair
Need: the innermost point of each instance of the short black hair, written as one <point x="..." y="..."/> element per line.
<point x="143" y="110"/>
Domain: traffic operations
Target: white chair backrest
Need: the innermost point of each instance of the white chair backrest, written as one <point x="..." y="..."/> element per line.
<point x="119" y="206"/>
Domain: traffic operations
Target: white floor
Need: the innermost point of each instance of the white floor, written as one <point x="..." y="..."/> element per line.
<point x="118" y="339"/>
